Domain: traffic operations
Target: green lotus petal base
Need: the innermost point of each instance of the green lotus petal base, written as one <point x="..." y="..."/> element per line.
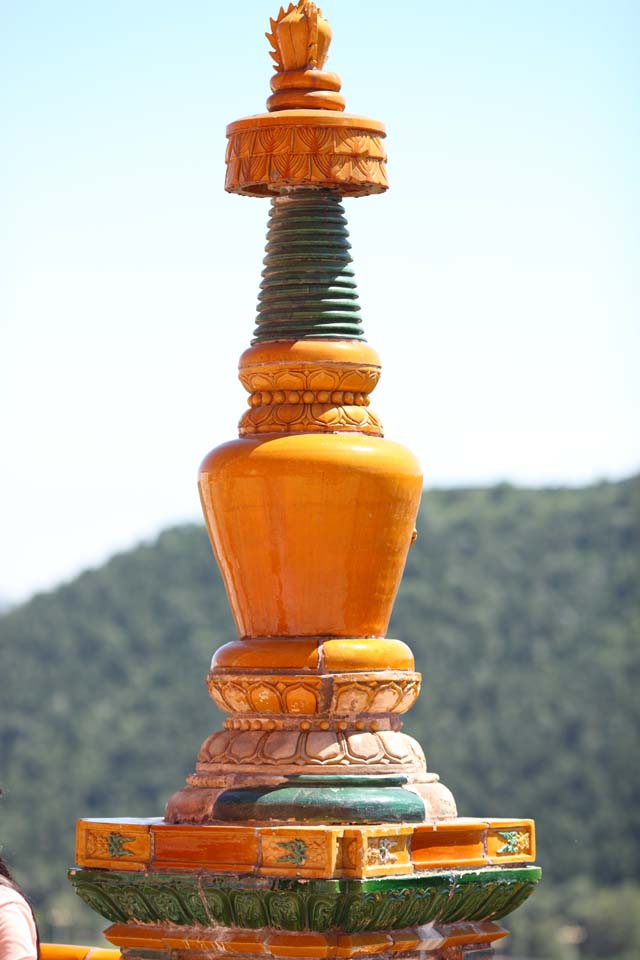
<point x="350" y="906"/>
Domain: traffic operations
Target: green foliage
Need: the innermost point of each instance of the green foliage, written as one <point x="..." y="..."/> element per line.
<point x="103" y="706"/>
<point x="577" y="919"/>
<point x="523" y="610"/>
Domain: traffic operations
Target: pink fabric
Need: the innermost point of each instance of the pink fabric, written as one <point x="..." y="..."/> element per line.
<point x="17" y="929"/>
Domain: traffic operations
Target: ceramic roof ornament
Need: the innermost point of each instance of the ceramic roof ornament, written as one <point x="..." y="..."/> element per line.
<point x="300" y="37"/>
<point x="300" y="40"/>
<point x="305" y="140"/>
<point x="311" y="825"/>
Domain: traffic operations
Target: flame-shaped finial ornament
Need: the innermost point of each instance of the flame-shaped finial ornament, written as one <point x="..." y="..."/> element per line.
<point x="300" y="38"/>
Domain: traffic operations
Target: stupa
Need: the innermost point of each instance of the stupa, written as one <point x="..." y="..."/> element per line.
<point x="310" y="826"/>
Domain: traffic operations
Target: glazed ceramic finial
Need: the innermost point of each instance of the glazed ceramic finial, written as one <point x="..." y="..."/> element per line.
<point x="300" y="38"/>
<point x="305" y="140"/>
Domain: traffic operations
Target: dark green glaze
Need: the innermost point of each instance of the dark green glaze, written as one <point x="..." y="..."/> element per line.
<point x="324" y="800"/>
<point x="511" y="841"/>
<point x="349" y="780"/>
<point x="295" y="851"/>
<point x="318" y="905"/>
<point x="308" y="288"/>
<point x="116" y="845"/>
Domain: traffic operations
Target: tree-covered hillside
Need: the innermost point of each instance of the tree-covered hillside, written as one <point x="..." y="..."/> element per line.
<point x="522" y="608"/>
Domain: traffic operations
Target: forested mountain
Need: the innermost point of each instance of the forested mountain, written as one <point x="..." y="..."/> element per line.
<point x="523" y="610"/>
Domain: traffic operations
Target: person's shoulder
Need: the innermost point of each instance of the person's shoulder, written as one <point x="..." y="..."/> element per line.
<point x="12" y="902"/>
<point x="9" y="894"/>
<point x="18" y="934"/>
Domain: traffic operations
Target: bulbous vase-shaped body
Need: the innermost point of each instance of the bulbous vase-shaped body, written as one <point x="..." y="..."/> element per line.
<point x="311" y="531"/>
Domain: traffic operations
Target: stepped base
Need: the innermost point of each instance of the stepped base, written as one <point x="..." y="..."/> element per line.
<point x="460" y="940"/>
<point x="440" y="913"/>
<point x="409" y="890"/>
<point x="313" y="851"/>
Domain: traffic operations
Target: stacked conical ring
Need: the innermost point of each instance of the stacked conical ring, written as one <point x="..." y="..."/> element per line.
<point x="308" y="287"/>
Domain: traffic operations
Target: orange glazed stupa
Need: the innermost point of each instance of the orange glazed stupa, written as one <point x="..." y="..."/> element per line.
<point x="310" y="826"/>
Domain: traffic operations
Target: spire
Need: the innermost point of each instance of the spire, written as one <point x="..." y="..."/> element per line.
<point x="308" y="287"/>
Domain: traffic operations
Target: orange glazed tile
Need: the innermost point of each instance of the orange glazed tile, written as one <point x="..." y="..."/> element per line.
<point x="376" y="851"/>
<point x="129" y="936"/>
<point x="299" y="851"/>
<point x="289" y="653"/>
<point x="303" y="945"/>
<point x="363" y="944"/>
<point x="346" y="655"/>
<point x="216" y="847"/>
<point x="459" y="934"/>
<point x="404" y="941"/>
<point x="113" y="844"/>
<point x="325" y="351"/>
<point x="511" y="841"/>
<point x="65" y="951"/>
<point x="449" y="845"/>
<point x="244" y="941"/>
<point x="177" y="941"/>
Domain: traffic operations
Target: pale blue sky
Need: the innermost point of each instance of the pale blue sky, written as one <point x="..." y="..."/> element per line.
<point x="499" y="277"/>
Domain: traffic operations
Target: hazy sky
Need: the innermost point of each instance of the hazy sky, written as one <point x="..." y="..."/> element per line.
<point x="499" y="277"/>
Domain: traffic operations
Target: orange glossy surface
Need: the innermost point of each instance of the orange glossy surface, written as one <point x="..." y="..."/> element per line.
<point x="306" y="80"/>
<point x="92" y="844"/>
<point x="345" y="655"/>
<point x="244" y="941"/>
<point x="131" y="936"/>
<point x="332" y="851"/>
<point x="464" y="933"/>
<point x="363" y="944"/>
<point x="405" y="941"/>
<point x="448" y="846"/>
<point x="288" y="653"/>
<point x="326" y="352"/>
<point x="272" y="943"/>
<point x="301" y="945"/>
<point x="311" y="532"/>
<point x="302" y="99"/>
<point x="338" y="655"/>
<point x="226" y="848"/>
<point x="65" y="951"/>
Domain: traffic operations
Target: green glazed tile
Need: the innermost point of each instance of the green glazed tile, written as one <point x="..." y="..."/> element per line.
<point x="315" y="800"/>
<point x="318" y="905"/>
